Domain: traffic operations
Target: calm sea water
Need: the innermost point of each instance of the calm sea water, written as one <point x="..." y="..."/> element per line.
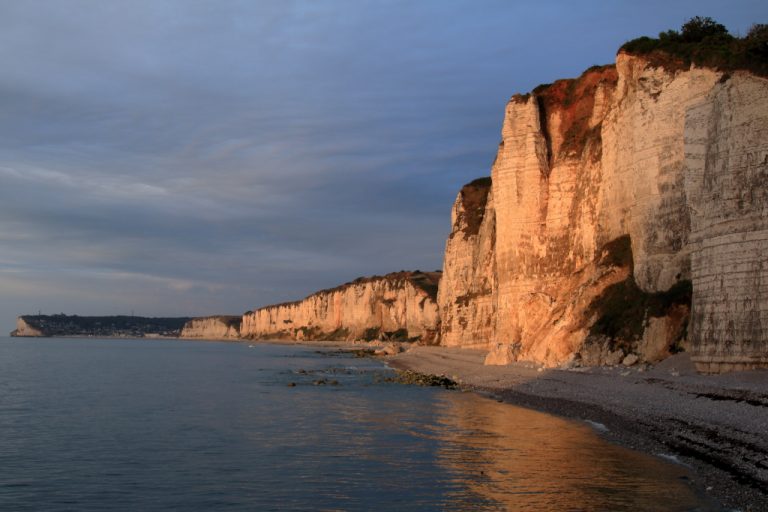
<point x="185" y="425"/>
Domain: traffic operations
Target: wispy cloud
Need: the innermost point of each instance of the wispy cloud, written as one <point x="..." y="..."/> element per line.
<point x="120" y="186"/>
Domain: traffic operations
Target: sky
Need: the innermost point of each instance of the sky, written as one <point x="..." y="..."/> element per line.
<point x="184" y="158"/>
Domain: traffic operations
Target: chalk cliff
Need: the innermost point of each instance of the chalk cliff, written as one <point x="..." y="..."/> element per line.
<point x="26" y="329"/>
<point x="212" y="328"/>
<point x="626" y="216"/>
<point x="467" y="292"/>
<point x="399" y="306"/>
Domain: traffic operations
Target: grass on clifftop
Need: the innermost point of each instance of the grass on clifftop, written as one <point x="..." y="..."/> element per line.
<point x="706" y="43"/>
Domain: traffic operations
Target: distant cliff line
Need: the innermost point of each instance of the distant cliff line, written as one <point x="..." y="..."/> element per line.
<point x="98" y="326"/>
<point x="398" y="306"/>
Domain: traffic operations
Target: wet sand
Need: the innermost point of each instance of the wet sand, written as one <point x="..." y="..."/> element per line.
<point x="717" y="425"/>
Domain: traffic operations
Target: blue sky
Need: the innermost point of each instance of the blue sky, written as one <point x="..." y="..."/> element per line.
<point x="200" y="157"/>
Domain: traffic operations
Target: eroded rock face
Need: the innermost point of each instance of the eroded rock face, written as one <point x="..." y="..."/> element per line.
<point x="212" y="328"/>
<point x="613" y="195"/>
<point x="399" y="306"/>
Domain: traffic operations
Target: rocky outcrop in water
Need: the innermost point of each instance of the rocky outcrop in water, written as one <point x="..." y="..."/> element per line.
<point x="218" y="327"/>
<point x="398" y="306"/>
<point x="625" y="216"/>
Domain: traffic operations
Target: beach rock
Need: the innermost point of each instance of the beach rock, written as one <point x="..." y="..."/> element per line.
<point x="573" y="361"/>
<point x="423" y="379"/>
<point x="391" y="349"/>
<point x="630" y="359"/>
<point x="614" y="358"/>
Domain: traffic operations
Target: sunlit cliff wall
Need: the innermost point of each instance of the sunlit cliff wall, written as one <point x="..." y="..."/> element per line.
<point x="467" y="293"/>
<point x="399" y="306"/>
<point x="212" y="328"/>
<point x="626" y="217"/>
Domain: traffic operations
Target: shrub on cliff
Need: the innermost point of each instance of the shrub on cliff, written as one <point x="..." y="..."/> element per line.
<point x="705" y="42"/>
<point x="699" y="28"/>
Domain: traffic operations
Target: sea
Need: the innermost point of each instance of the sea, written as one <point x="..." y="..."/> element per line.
<point x="143" y="425"/>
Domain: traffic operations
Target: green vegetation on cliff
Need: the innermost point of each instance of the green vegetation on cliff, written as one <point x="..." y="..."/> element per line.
<point x="707" y="43"/>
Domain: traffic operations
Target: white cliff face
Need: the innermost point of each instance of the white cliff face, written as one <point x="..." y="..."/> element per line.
<point x="546" y="189"/>
<point x="726" y="182"/>
<point x="642" y="190"/>
<point x="24" y="329"/>
<point x="669" y="162"/>
<point x="400" y="305"/>
<point x="212" y="328"/>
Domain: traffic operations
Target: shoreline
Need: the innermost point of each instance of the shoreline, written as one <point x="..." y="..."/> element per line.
<point x="715" y="425"/>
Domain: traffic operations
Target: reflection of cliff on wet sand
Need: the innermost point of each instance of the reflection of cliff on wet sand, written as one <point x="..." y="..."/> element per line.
<point x="509" y="456"/>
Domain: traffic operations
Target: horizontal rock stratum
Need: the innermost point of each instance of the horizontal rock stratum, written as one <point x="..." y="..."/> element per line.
<point x="626" y="215"/>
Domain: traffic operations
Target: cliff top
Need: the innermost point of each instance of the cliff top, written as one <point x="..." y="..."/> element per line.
<point x="574" y="98"/>
<point x="705" y="43"/>
<point x="568" y="90"/>
<point x="425" y="281"/>
<point x="127" y="319"/>
<point x="230" y="320"/>
<point x="701" y="41"/>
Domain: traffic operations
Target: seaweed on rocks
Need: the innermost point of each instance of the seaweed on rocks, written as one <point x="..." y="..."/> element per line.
<point x="425" y="379"/>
